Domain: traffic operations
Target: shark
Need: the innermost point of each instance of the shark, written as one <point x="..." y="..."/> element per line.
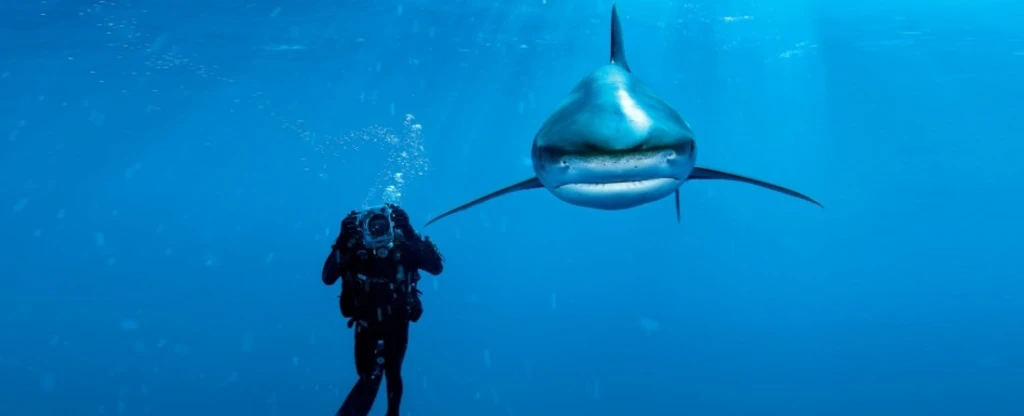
<point x="614" y="144"/>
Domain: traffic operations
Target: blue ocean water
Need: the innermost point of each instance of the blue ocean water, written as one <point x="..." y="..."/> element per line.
<point x="173" y="174"/>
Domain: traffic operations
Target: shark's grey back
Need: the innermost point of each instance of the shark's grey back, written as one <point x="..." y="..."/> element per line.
<point x="611" y="110"/>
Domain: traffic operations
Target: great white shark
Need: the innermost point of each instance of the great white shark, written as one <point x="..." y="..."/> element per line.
<point x="613" y="144"/>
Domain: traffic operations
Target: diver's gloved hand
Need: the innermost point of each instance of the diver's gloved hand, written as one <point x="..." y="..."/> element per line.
<point x="400" y="219"/>
<point x="350" y="233"/>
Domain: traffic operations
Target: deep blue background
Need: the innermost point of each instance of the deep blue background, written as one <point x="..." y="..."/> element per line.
<point x="173" y="173"/>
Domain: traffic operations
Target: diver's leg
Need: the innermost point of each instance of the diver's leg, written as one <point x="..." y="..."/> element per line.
<point x="365" y="347"/>
<point x="360" y="399"/>
<point x="394" y="352"/>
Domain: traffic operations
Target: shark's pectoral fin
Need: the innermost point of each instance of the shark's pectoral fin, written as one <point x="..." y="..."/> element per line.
<point x="679" y="216"/>
<point x="705" y="173"/>
<point x="532" y="183"/>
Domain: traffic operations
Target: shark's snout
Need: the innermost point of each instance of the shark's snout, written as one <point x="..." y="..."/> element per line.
<point x="616" y="180"/>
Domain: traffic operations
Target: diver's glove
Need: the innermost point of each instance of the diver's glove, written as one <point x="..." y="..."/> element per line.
<point x="350" y="233"/>
<point x="415" y="306"/>
<point x="400" y="220"/>
<point x="430" y="248"/>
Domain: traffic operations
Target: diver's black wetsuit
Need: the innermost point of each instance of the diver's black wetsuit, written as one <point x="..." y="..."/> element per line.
<point x="379" y="296"/>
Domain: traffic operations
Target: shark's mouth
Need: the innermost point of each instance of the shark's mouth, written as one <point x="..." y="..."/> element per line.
<point x="618" y="187"/>
<point x="616" y="194"/>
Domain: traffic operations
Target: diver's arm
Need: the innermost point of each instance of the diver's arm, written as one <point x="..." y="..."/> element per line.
<point x="428" y="257"/>
<point x="334" y="266"/>
<point x="338" y="263"/>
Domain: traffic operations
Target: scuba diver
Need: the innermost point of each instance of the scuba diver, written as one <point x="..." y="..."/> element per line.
<point x="377" y="256"/>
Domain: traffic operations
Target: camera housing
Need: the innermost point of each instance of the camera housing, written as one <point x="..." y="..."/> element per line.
<point x="379" y="244"/>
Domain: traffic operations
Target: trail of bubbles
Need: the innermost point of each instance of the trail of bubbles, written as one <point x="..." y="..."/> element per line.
<point x="405" y="153"/>
<point x="406" y="156"/>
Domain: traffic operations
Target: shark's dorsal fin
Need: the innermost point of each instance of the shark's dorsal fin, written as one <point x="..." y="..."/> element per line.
<point x="618" y="49"/>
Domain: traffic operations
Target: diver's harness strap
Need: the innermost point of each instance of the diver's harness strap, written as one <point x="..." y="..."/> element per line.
<point x="402" y="284"/>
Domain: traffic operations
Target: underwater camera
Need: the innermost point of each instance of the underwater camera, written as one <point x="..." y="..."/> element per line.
<point x="378" y="229"/>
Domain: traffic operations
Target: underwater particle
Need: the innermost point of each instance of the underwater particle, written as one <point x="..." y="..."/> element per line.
<point x="129" y="325"/>
<point x="20" y="205"/>
<point x="130" y="172"/>
<point x="60" y="214"/>
<point x="100" y="240"/>
<point x="49" y="380"/>
<point x="527" y="366"/>
<point x="992" y="361"/>
<point x="247" y="343"/>
<point x="554" y="301"/>
<point x="269" y="259"/>
<point x="276" y="11"/>
<point x="139" y="346"/>
<point x="649" y="325"/>
<point x="97" y="118"/>
<point x="487" y="359"/>
<point x="180" y="349"/>
<point x="157" y="44"/>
